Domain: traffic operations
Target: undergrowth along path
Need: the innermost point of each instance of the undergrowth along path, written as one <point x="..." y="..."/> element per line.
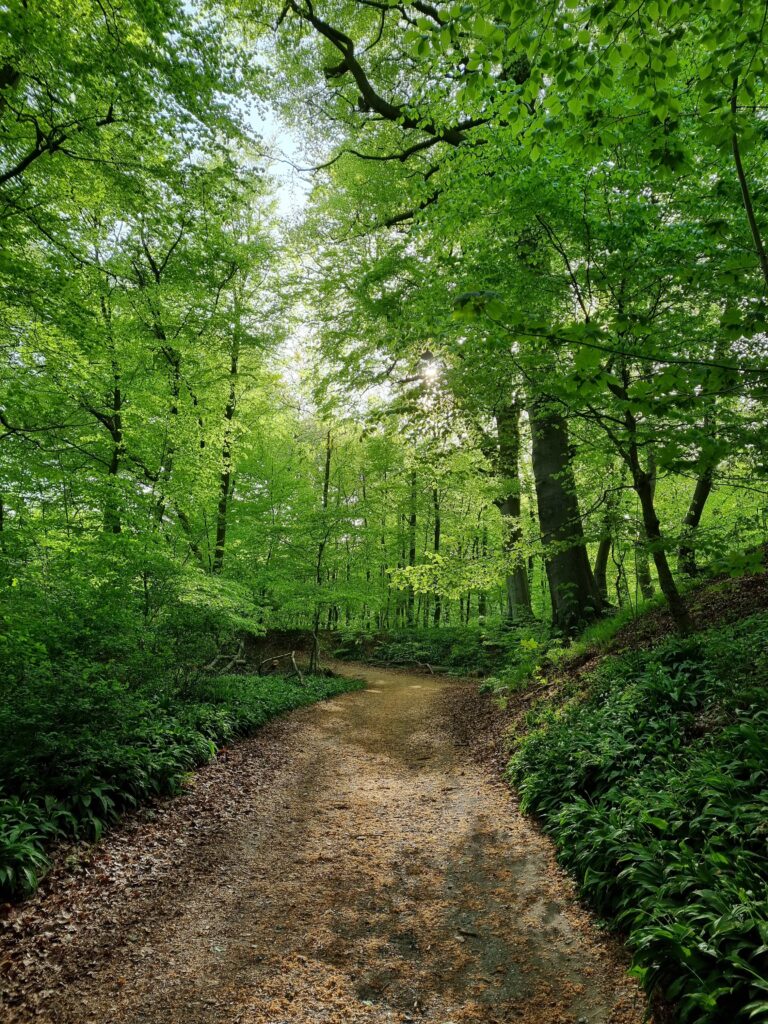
<point x="350" y="864"/>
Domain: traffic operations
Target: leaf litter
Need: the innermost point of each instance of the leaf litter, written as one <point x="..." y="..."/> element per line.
<point x="353" y="863"/>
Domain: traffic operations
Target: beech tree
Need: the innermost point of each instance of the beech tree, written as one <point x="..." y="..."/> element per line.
<point x="575" y="130"/>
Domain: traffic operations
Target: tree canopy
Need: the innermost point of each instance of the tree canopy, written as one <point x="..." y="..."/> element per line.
<point x="508" y="364"/>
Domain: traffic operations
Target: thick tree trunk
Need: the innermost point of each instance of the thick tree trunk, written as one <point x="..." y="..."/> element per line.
<point x="507" y="466"/>
<point x="601" y="566"/>
<point x="225" y="477"/>
<point x="686" y="553"/>
<point x="575" y="595"/>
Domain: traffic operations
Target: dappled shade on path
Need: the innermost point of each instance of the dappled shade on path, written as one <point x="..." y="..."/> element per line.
<point x="375" y="873"/>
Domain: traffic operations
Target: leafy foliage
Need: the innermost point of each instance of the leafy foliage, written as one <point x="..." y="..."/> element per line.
<point x="653" y="786"/>
<point x="474" y="648"/>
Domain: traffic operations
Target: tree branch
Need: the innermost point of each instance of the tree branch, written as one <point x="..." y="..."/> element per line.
<point x="50" y="142"/>
<point x="370" y="98"/>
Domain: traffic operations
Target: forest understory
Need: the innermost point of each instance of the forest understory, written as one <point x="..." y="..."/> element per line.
<point x="232" y="899"/>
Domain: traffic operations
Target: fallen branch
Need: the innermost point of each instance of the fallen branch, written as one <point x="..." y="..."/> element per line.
<point x="296" y="668"/>
<point x="402" y="664"/>
<point x="237" y="659"/>
<point x="272" y="661"/>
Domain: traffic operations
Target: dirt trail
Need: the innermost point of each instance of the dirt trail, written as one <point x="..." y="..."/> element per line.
<point x="370" y="872"/>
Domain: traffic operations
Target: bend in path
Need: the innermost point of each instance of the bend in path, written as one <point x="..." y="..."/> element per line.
<point x="373" y="874"/>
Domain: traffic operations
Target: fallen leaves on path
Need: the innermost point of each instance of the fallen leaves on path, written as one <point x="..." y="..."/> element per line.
<point x="351" y="864"/>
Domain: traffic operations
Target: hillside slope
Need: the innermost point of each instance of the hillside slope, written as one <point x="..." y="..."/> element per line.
<point x="645" y="758"/>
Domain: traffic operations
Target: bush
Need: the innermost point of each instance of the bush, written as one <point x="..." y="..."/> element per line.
<point x="654" y="786"/>
<point x="118" y="606"/>
<point x="101" y="705"/>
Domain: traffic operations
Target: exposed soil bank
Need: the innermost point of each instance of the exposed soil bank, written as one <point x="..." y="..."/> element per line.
<point x="351" y="863"/>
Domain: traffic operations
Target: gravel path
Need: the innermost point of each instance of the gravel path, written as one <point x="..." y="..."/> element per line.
<point x="351" y="864"/>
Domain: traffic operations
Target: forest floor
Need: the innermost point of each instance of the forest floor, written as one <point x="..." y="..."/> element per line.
<point x="353" y="863"/>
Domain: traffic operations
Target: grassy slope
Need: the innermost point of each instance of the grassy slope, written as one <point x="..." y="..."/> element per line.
<point x="645" y="757"/>
<point x="74" y="757"/>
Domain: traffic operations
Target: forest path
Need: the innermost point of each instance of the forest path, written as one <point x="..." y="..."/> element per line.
<point x="370" y="872"/>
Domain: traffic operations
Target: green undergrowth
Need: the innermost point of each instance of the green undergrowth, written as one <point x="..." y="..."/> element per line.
<point x="652" y="778"/>
<point x="475" y="648"/>
<point x="537" y="653"/>
<point x="78" y="752"/>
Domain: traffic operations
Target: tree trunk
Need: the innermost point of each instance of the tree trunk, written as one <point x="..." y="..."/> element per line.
<point x="507" y="467"/>
<point x="575" y="596"/>
<point x="643" y="484"/>
<point x="482" y="597"/>
<point x="612" y="499"/>
<point x="746" y="197"/>
<point x="114" y="423"/>
<point x="622" y="586"/>
<point x="411" y="546"/>
<point x="642" y="563"/>
<point x="601" y="566"/>
<point x="315" y="655"/>
<point x="225" y="477"/>
<point x="436" y="548"/>
<point x="686" y="553"/>
<point x="643" y="569"/>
